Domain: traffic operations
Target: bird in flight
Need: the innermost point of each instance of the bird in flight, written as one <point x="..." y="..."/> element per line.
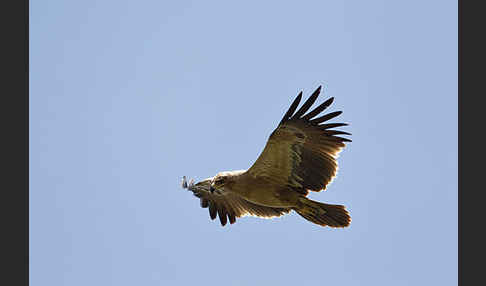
<point x="299" y="157"/>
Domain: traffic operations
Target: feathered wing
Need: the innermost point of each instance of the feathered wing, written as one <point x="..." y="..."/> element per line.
<point x="229" y="206"/>
<point x="301" y="152"/>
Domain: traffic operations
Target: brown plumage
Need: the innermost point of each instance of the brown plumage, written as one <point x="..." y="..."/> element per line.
<point x="300" y="156"/>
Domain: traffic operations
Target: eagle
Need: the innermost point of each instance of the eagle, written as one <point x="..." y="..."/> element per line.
<point x="300" y="156"/>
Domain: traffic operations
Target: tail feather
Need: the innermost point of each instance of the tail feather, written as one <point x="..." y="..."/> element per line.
<point x="323" y="214"/>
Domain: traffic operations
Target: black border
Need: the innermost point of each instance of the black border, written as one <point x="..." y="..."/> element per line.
<point x="14" y="101"/>
<point x="471" y="239"/>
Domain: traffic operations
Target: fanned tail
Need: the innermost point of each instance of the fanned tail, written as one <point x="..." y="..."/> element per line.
<point x="323" y="214"/>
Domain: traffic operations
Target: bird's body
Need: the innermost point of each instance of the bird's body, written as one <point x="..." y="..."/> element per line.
<point x="260" y="191"/>
<point x="300" y="156"/>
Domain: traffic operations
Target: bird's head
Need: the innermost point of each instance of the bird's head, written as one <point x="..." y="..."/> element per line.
<point x="212" y="184"/>
<point x="218" y="182"/>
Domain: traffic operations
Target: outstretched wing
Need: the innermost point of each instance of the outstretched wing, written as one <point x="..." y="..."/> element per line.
<point x="229" y="206"/>
<point x="301" y="152"/>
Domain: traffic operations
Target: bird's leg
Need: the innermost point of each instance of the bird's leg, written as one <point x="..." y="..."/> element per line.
<point x="184" y="182"/>
<point x="186" y="185"/>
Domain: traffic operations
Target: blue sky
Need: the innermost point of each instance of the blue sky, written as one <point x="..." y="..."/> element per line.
<point x="126" y="97"/>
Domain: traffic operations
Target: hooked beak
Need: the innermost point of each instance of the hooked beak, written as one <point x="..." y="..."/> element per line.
<point x="211" y="189"/>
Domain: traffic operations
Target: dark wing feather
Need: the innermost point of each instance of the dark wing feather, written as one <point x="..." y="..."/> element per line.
<point x="204" y="203"/>
<point x="229" y="206"/>
<point x="213" y="209"/>
<point x="326" y="117"/>
<point x="292" y="108"/>
<point x="307" y="104"/>
<point x="300" y="153"/>
<point x="318" y="109"/>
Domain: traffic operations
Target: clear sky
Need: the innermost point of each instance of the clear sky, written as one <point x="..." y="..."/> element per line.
<point x="126" y="97"/>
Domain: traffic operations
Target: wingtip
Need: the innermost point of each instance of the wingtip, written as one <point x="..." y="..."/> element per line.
<point x="317" y="91"/>
<point x="307" y="104"/>
<point x="343" y="139"/>
<point x="292" y="108"/>
<point x="326" y="117"/>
